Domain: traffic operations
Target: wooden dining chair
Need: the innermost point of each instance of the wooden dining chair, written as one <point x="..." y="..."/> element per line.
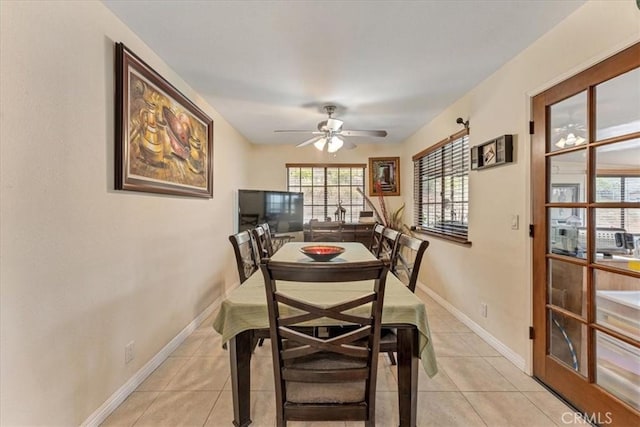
<point x="247" y="262"/>
<point x="267" y="240"/>
<point x="263" y="245"/>
<point x="376" y="238"/>
<point x="405" y="265"/>
<point x="245" y="253"/>
<point x="406" y="261"/>
<point x="387" y="246"/>
<point x="325" y="231"/>
<point x="324" y="379"/>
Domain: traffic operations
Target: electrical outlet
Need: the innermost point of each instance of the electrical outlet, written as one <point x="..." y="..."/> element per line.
<point x="129" y="352"/>
<point x="483" y="309"/>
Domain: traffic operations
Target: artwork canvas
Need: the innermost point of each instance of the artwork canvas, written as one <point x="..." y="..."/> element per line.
<point x="164" y="142"/>
<point x="489" y="154"/>
<point x="384" y="176"/>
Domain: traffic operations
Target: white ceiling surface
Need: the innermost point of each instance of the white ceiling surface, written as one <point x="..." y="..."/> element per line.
<point x="391" y="65"/>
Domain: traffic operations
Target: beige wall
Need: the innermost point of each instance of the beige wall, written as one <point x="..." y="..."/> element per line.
<point x="86" y="269"/>
<point x="496" y="269"/>
<point x="268" y="171"/>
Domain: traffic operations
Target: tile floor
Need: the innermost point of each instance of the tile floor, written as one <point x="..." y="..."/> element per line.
<point x="475" y="386"/>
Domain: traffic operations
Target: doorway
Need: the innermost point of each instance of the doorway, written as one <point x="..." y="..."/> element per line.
<point x="585" y="170"/>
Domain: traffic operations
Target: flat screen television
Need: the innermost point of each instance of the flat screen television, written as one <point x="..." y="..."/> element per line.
<point x="282" y="210"/>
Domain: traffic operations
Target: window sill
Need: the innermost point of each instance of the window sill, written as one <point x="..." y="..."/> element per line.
<point x="458" y="240"/>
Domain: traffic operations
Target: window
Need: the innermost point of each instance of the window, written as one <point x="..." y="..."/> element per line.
<point x="441" y="188"/>
<point x="612" y="189"/>
<point x="326" y="186"/>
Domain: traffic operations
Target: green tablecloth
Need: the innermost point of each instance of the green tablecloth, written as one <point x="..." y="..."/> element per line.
<point x="246" y="308"/>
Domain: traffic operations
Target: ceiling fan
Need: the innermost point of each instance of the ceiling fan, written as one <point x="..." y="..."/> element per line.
<point x="331" y="134"/>
<point x="569" y="135"/>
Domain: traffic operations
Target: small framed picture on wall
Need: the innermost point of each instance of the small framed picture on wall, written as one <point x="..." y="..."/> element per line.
<point x="384" y="176"/>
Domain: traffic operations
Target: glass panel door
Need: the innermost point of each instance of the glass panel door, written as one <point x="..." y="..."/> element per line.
<point x="586" y="210"/>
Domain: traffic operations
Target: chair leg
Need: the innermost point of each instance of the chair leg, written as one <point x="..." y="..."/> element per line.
<point x="392" y="357"/>
<point x="260" y="342"/>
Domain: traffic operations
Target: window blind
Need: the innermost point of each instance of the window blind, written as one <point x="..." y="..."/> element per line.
<point x="441" y="188"/>
<point x="615" y="189"/>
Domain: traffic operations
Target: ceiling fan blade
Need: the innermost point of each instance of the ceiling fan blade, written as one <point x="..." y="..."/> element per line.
<point x="314" y="132"/>
<point x="348" y="145"/>
<point x="363" y="133"/>
<point x="310" y="141"/>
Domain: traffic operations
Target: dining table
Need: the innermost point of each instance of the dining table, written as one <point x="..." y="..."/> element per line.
<point x="243" y="318"/>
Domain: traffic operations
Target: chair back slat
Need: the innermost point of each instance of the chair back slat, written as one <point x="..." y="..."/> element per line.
<point x="245" y="254"/>
<point x="388" y="241"/>
<point x="376" y="238"/>
<point x="265" y="250"/>
<point x="268" y="241"/>
<point x="310" y="370"/>
<point x="407" y="259"/>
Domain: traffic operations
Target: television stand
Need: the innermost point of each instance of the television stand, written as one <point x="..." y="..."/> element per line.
<point x="351" y="232"/>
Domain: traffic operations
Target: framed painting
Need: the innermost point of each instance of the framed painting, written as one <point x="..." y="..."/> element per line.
<point x="164" y="142"/>
<point x="384" y="176"/>
<point x="489" y="154"/>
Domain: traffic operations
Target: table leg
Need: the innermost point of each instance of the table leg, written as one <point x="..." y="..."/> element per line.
<point x="240" y="348"/>
<point x="407" y="375"/>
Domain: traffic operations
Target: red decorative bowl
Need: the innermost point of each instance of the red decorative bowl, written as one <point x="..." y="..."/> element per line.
<point x="322" y="252"/>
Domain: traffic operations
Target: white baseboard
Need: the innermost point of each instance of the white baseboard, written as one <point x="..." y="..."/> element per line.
<point x="514" y="357"/>
<point x="116" y="399"/>
<point x="127" y="388"/>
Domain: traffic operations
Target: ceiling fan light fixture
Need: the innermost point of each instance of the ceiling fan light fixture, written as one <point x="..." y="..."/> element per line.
<point x="570" y="141"/>
<point x="319" y="144"/>
<point x="329" y="133"/>
<point x="335" y="144"/>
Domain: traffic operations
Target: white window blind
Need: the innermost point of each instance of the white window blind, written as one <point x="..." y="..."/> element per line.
<point x="326" y="186"/>
<point x="441" y="188"/>
<point x="615" y="189"/>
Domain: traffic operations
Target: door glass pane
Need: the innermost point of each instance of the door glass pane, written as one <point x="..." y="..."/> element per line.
<point x="568" y="177"/>
<point x="567" y="232"/>
<point x="612" y="189"/>
<point x="618" y="172"/>
<point x="568" y="122"/>
<point x="567" y="286"/>
<point x="618" y="302"/>
<point x="618" y="368"/>
<point x="618" y="237"/>
<point x="568" y="342"/>
<point x="618" y="106"/>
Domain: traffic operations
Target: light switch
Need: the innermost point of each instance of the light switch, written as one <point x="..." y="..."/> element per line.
<point x="515" y="221"/>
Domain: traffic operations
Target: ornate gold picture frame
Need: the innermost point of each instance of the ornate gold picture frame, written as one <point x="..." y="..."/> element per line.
<point x="164" y="142"/>
<point x="384" y="176"/>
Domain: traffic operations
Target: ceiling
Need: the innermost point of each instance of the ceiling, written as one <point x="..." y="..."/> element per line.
<point x="392" y="65"/>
